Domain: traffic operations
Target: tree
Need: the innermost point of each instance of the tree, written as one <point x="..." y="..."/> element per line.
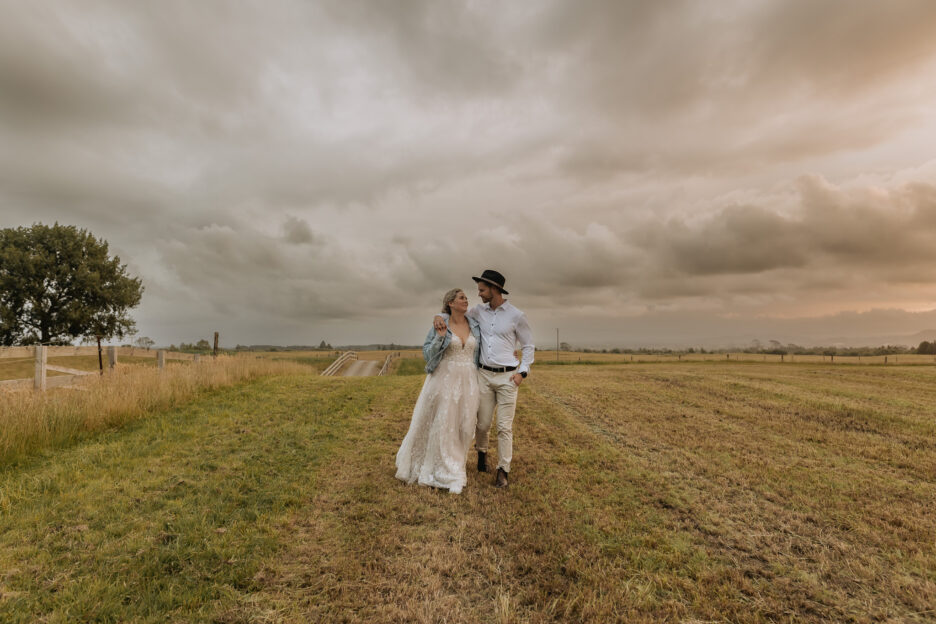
<point x="145" y="342"/>
<point x="202" y="345"/>
<point x="58" y="283"/>
<point x="927" y="348"/>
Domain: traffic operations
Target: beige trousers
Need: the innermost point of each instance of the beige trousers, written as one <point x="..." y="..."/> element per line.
<point x="497" y="391"/>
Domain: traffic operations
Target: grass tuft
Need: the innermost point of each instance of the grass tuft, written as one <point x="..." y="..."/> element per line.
<point x="410" y="367"/>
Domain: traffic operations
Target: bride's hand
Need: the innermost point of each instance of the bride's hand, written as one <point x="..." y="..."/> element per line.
<point x="441" y="330"/>
<point x="439" y="323"/>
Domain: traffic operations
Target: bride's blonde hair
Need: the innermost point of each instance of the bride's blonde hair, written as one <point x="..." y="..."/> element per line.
<point x="449" y="298"/>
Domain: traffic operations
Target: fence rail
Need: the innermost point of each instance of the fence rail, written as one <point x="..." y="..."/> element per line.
<point x="335" y="366"/>
<point x="386" y="365"/>
<point x="42" y="381"/>
<point x="69" y="351"/>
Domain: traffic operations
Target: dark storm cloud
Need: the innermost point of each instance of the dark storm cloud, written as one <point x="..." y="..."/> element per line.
<point x="437" y="47"/>
<point x="691" y="87"/>
<point x="298" y="232"/>
<point x="828" y="239"/>
<point x="295" y="163"/>
<point x="832" y="239"/>
<point x="206" y="94"/>
<point x="736" y="240"/>
<point x="240" y="272"/>
<point x="173" y="67"/>
<point x="839" y="48"/>
<point x="541" y="259"/>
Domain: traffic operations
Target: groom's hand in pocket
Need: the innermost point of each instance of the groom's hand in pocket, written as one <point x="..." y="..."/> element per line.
<point x="517" y="379"/>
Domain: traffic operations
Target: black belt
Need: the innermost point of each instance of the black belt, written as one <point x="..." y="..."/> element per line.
<point x="502" y="369"/>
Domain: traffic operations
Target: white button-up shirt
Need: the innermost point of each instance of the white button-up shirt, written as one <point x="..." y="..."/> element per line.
<point x="501" y="330"/>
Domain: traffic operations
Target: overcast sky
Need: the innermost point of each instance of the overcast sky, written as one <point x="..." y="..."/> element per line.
<point x="642" y="172"/>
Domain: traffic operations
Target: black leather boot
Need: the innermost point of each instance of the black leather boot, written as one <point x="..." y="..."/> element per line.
<point x="482" y="461"/>
<point x="501" y="481"/>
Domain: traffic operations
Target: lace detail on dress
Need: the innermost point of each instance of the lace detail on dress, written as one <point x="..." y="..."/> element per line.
<point x="444" y="418"/>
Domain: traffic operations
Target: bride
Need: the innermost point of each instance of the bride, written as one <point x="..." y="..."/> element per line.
<point x="434" y="449"/>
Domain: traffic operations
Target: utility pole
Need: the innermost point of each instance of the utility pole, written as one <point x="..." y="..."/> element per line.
<point x="557" y="344"/>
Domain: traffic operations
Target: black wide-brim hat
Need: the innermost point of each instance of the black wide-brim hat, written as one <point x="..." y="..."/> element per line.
<point x="492" y="277"/>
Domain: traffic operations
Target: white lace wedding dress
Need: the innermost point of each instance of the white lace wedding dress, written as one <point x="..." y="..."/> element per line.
<point x="435" y="447"/>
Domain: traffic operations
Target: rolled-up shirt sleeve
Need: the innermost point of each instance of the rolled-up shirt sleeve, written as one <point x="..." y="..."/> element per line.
<point x="525" y="338"/>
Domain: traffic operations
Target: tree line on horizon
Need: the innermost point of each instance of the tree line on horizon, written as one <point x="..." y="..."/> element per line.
<point x="926" y="348"/>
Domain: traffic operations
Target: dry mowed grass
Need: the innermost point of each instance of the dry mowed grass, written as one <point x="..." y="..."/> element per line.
<point x="646" y="492"/>
<point x="31" y="420"/>
<point x="25" y="368"/>
<point x="579" y="357"/>
<point x="670" y="492"/>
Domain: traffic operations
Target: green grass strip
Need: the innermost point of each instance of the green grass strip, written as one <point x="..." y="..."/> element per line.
<point x="168" y="519"/>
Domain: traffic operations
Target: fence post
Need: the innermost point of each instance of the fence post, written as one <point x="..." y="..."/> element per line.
<point x="215" y="353"/>
<point x="112" y="357"/>
<point x="41" y="361"/>
<point x="196" y="357"/>
<point x="161" y="359"/>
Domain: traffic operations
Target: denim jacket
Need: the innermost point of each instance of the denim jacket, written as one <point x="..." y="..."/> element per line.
<point x="435" y="345"/>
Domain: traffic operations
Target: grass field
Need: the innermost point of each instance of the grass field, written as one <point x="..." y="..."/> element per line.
<point x="31" y="421"/>
<point x="680" y="492"/>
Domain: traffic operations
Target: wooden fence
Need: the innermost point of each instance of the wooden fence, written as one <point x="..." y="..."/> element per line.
<point x="386" y="365"/>
<point x="42" y="381"/>
<point x="336" y="366"/>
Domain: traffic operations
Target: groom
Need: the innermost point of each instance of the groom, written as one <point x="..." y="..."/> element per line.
<point x="499" y="373"/>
